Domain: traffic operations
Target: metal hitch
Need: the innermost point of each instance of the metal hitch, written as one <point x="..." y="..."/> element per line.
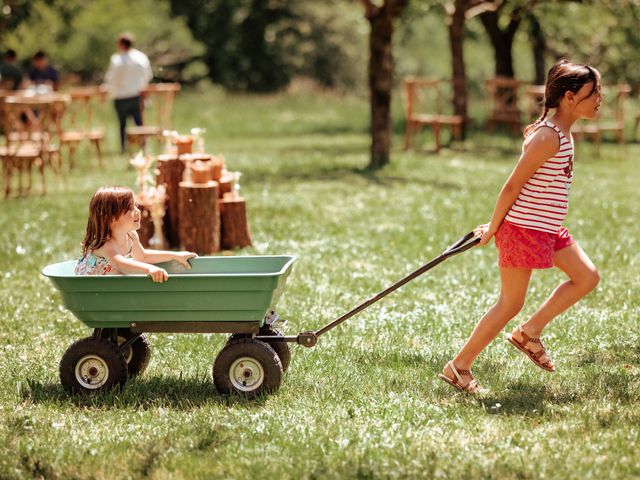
<point x="307" y="339"/>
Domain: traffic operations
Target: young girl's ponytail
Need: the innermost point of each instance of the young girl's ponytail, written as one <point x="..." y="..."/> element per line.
<point x="532" y="127"/>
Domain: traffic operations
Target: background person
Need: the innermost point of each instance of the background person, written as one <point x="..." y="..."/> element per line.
<point x="128" y="74"/>
<point x="10" y="72"/>
<point x="42" y="73"/>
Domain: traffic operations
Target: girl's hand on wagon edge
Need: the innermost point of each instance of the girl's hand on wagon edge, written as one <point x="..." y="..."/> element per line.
<point x="158" y="274"/>
<point x="183" y="258"/>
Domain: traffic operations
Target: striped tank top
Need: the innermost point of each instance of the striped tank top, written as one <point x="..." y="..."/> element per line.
<point x="543" y="202"/>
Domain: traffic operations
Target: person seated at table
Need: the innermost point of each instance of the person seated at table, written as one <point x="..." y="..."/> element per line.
<point x="10" y="73"/>
<point x="43" y="73"/>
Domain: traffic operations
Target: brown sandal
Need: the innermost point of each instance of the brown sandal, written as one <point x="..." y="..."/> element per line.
<point x="470" y="387"/>
<point x="533" y="356"/>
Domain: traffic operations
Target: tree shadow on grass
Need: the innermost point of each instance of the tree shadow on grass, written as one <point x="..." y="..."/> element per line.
<point x="144" y="393"/>
<point x="524" y="399"/>
<point x="367" y="174"/>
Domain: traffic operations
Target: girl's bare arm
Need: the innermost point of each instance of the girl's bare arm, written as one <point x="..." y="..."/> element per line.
<point x="132" y="266"/>
<point x="156" y="256"/>
<point x="543" y="145"/>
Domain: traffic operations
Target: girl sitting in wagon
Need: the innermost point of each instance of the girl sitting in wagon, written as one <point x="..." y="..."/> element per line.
<point x="111" y="245"/>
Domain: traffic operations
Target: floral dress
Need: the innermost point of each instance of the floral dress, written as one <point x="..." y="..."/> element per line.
<point x="92" y="264"/>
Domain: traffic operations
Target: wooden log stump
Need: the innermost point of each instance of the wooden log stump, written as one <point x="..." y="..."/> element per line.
<point x="170" y="170"/>
<point x="234" y="224"/>
<point x="199" y="217"/>
<point x="145" y="232"/>
<point x="225" y="184"/>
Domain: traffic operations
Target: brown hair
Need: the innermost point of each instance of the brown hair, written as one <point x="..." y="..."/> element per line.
<point x="126" y="40"/>
<point x="106" y="206"/>
<point x="564" y="77"/>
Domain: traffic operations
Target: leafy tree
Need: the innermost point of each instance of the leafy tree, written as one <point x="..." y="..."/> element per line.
<point x="243" y="38"/>
<point x="80" y="37"/>
<point x="260" y="46"/>
<point x="604" y="34"/>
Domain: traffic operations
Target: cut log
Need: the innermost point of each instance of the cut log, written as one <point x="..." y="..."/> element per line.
<point x="217" y="164"/>
<point x="226" y="183"/>
<point x="199" y="217"/>
<point x="145" y="232"/>
<point x="234" y="224"/>
<point x="170" y="170"/>
<point x="184" y="144"/>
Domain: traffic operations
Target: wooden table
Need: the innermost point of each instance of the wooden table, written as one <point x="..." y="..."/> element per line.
<point x="31" y="126"/>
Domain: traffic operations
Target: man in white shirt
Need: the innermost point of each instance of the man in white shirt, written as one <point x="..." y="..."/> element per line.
<point x="128" y="74"/>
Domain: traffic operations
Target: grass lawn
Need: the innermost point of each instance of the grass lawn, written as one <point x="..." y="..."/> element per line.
<point x="365" y="403"/>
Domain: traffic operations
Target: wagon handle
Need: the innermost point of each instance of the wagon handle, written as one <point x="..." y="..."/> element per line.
<point x="463" y="244"/>
<point x="310" y="338"/>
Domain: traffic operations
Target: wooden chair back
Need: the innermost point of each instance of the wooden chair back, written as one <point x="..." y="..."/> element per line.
<point x="426" y="104"/>
<point x="614" y="103"/>
<point x="423" y="97"/>
<point x="503" y="108"/>
<point x="81" y="111"/>
<point x="162" y="97"/>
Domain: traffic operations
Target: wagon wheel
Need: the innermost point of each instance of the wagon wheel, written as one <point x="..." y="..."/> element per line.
<point x="281" y="348"/>
<point x="137" y="354"/>
<point x="92" y="365"/>
<point x="247" y="366"/>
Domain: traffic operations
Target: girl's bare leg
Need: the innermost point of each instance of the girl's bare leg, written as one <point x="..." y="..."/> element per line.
<point x="583" y="277"/>
<point x="514" y="283"/>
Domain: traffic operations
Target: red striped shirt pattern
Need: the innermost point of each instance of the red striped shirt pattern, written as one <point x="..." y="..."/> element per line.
<point x="543" y="202"/>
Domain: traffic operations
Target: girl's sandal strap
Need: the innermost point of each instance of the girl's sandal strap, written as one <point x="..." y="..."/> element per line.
<point x="533" y="356"/>
<point x="471" y="386"/>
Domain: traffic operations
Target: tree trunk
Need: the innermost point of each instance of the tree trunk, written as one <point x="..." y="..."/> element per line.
<point x="381" y="76"/>
<point x="458" y="74"/>
<point x="501" y="40"/>
<point x="380" y="85"/>
<point x="539" y="47"/>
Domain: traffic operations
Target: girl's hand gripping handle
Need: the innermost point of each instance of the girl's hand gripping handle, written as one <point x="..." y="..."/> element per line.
<point x="465" y="243"/>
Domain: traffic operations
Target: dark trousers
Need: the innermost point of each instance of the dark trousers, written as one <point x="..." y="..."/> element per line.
<point x="127" y="107"/>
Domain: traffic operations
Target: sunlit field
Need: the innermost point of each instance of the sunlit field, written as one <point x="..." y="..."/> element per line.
<point x="365" y="402"/>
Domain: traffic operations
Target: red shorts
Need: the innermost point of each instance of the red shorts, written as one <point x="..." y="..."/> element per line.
<point x="520" y="247"/>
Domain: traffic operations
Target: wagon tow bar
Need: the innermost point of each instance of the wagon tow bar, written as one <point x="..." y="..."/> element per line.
<point x="309" y="338"/>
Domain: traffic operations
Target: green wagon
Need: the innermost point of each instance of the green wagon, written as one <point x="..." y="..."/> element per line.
<point x="234" y="295"/>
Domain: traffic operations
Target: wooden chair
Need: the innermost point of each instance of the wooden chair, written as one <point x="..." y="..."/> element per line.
<point x="29" y="129"/>
<point x="80" y="121"/>
<point x="423" y="106"/>
<point x="161" y="97"/>
<point x="502" y="95"/>
<point x="611" y="116"/>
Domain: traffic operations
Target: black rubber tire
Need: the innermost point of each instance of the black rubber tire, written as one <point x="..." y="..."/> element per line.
<point x="259" y="353"/>
<point x="105" y="352"/>
<point x="281" y="348"/>
<point x="138" y="356"/>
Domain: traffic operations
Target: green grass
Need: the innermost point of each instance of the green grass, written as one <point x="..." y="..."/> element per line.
<point x="365" y="403"/>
